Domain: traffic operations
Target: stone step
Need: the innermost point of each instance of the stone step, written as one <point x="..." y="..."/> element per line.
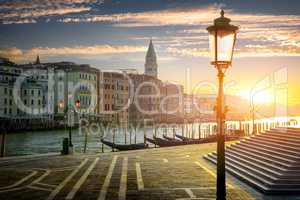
<point x="288" y="159"/>
<point x="287" y="129"/>
<point x="275" y="143"/>
<point x="287" y="133"/>
<point x="263" y="172"/>
<point x="256" y="184"/>
<point x="266" y="157"/>
<point x="258" y="176"/>
<point x="265" y="162"/>
<point x="269" y="147"/>
<point x="282" y="135"/>
<point x="250" y="181"/>
<point x="265" y="166"/>
<point x="279" y="138"/>
<point x="274" y="176"/>
<point x="246" y="173"/>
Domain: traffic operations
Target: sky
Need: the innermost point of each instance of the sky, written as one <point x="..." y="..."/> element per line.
<point x="114" y="34"/>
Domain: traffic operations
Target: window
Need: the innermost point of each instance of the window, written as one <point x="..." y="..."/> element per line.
<point x="10" y="102"/>
<point x="9" y="111"/>
<point x="39" y="102"/>
<point x="39" y="92"/>
<point x="25" y="102"/>
<point x="5" y="110"/>
<point x="5" y="101"/>
<point x="32" y="102"/>
<point x="25" y="92"/>
<point x="32" y="92"/>
<point x="10" y="92"/>
<point x="5" y="90"/>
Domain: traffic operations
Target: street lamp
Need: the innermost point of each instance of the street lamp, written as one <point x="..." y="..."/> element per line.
<point x="222" y="37"/>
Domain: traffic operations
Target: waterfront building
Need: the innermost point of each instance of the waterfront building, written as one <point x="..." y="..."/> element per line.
<point x="172" y="97"/>
<point x="48" y="89"/>
<point x="146" y="93"/>
<point x="74" y="82"/>
<point x="113" y="98"/>
<point x="31" y="93"/>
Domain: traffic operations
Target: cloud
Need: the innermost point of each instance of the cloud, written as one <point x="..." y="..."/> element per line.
<point x="154" y="18"/>
<point x="19" y="55"/>
<point x="20" y="21"/>
<point x="280" y="34"/>
<point x="246" y="51"/>
<point x="29" y="11"/>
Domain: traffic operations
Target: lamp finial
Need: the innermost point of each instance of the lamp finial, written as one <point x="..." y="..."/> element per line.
<point x="222" y="13"/>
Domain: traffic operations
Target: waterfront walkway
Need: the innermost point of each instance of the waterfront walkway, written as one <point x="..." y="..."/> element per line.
<point x="163" y="173"/>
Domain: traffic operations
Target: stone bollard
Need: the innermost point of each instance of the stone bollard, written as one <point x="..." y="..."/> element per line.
<point x="65" y="145"/>
<point x="2" y="144"/>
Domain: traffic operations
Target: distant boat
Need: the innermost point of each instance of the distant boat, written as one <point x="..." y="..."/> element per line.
<point x="165" y="143"/>
<point x="125" y="147"/>
<point x="186" y="138"/>
<point x="185" y="141"/>
<point x="170" y="138"/>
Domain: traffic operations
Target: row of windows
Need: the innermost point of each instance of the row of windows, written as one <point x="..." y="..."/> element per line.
<point x="85" y="100"/>
<point x="6" y="91"/>
<point x="7" y="78"/>
<point x="107" y="107"/>
<point x="9" y="111"/>
<point x="10" y="101"/>
<point x="32" y="102"/>
<point x="119" y="87"/>
<point x="32" y="92"/>
<point x="85" y="76"/>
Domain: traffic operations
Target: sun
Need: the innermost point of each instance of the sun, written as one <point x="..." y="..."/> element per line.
<point x="262" y="97"/>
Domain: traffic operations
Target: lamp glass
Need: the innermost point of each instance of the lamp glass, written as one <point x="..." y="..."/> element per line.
<point x="224" y="41"/>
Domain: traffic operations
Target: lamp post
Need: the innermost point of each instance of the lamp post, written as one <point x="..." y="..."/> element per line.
<point x="77" y="104"/>
<point x="222" y="37"/>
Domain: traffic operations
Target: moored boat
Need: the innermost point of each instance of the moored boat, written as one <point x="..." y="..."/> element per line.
<point x="125" y="147"/>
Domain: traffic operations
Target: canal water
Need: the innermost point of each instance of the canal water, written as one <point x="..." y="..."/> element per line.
<point x="37" y="142"/>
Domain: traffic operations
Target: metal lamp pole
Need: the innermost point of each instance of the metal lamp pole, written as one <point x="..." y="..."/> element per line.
<point x="221" y="185"/>
<point x="222" y="36"/>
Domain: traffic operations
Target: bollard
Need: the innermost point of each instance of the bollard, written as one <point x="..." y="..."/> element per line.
<point x="135" y="135"/>
<point x="2" y="150"/>
<point x="199" y="132"/>
<point x="155" y="137"/>
<point x="85" y="141"/>
<point x="65" y="144"/>
<point x="113" y="148"/>
<point x="144" y="135"/>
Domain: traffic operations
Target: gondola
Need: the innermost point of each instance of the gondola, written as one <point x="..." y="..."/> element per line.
<point x="165" y="143"/>
<point x="170" y="138"/>
<point x="189" y="140"/>
<point x="125" y="147"/>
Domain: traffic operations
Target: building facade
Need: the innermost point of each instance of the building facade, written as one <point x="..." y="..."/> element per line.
<point x="114" y="97"/>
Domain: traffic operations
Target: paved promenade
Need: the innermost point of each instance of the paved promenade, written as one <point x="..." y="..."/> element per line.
<point x="163" y="173"/>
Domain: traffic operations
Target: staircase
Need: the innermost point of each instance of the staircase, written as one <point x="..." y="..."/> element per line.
<point x="270" y="161"/>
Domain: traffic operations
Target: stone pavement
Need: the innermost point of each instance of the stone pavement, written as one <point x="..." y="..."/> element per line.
<point x="162" y="173"/>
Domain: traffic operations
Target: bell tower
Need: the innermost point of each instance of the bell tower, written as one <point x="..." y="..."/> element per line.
<point x="151" y="62"/>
